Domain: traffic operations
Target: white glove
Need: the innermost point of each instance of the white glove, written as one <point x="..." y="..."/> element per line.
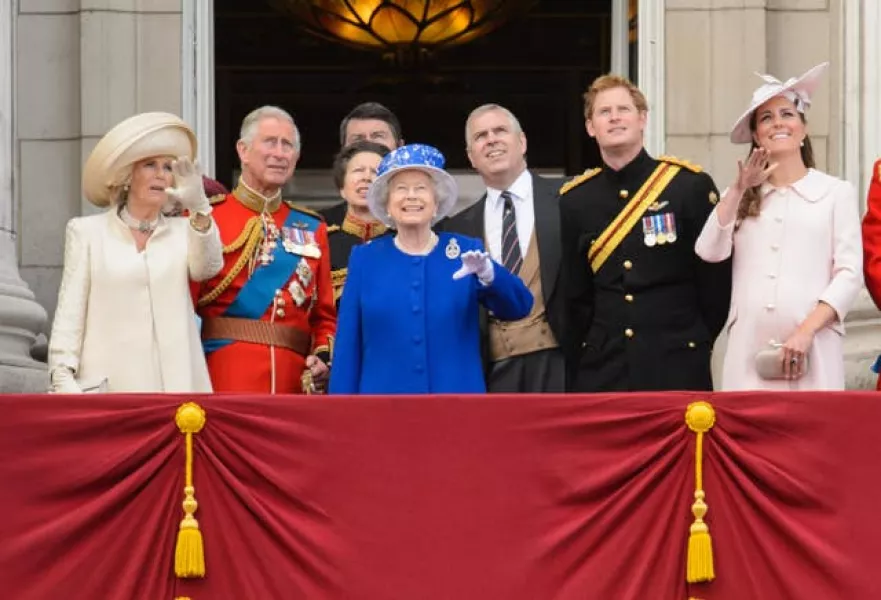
<point x="63" y="382"/>
<point x="479" y="263"/>
<point x="189" y="190"/>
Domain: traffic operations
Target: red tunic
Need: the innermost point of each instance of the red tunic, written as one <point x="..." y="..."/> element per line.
<point x="251" y="367"/>
<point x="872" y="239"/>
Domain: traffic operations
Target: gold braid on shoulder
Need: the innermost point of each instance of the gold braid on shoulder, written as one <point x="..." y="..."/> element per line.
<point x="681" y="162"/>
<point x="578" y="180"/>
<point x="250" y="238"/>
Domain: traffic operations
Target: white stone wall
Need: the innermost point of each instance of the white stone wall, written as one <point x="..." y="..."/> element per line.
<point x="713" y="49"/>
<point x="82" y="66"/>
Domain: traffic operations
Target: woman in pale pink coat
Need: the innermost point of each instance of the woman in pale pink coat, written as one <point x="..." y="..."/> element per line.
<point x="795" y="234"/>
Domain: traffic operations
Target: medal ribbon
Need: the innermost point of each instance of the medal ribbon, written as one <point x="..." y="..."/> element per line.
<point x="614" y="234"/>
<point x="257" y="294"/>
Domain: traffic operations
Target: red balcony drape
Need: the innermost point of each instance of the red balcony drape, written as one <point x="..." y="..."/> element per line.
<point x="441" y="498"/>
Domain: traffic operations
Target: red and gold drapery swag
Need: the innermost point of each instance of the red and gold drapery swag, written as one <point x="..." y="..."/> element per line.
<point x="430" y="498"/>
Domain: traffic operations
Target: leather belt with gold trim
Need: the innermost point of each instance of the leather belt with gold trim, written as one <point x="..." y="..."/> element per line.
<point x="257" y="332"/>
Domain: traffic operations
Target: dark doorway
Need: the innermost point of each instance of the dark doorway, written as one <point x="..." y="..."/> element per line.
<point x="537" y="65"/>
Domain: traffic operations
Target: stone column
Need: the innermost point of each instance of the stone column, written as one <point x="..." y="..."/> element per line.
<point x="21" y="318"/>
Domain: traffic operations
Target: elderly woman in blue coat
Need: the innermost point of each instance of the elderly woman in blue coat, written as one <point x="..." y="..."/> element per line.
<point x="408" y="318"/>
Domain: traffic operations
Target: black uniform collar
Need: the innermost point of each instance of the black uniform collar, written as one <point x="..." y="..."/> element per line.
<point x="635" y="170"/>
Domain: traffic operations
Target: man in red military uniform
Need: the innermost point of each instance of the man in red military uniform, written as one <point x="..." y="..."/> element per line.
<point x="268" y="316"/>
<point x="872" y="243"/>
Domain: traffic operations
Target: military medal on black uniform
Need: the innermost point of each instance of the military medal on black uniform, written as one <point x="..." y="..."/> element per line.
<point x="660" y="231"/>
<point x="670" y="226"/>
<point x="648" y="231"/>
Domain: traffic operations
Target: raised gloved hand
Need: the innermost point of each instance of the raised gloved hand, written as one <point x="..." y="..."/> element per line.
<point x="63" y="382"/>
<point x="188" y="188"/>
<point x="479" y="263"/>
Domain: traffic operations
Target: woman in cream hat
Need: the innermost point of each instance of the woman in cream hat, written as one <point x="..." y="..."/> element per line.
<point x="408" y="320"/>
<point x="124" y="320"/>
<point x="795" y="235"/>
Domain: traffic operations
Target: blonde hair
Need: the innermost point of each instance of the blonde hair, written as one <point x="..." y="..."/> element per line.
<point x="611" y="82"/>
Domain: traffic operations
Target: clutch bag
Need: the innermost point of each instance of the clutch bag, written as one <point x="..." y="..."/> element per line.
<point x="769" y="363"/>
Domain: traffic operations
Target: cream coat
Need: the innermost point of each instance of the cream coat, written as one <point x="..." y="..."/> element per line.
<point x="803" y="248"/>
<point x="128" y="316"/>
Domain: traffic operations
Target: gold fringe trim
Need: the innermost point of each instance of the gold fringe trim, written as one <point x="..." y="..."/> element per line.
<point x="251" y="236"/>
<point x="338" y="280"/>
<point x="303" y="209"/>
<point x="573" y="183"/>
<point x="244" y="236"/>
<point x="682" y="163"/>
<point x="700" y="418"/>
<point x="189" y="553"/>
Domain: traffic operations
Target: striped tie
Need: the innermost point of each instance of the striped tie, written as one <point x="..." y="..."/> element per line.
<point x="511" y="257"/>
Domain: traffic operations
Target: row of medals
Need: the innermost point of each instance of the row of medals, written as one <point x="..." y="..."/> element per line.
<point x="303" y="278"/>
<point x="659" y="229"/>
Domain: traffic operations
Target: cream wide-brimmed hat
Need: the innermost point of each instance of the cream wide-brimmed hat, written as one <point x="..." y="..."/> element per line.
<point x="137" y="138"/>
<point x="413" y="156"/>
<point x="797" y="89"/>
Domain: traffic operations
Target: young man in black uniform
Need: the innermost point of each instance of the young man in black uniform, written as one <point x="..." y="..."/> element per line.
<point x="643" y="309"/>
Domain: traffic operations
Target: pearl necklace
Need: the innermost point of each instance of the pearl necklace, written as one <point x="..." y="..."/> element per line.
<point x="137" y="224"/>
<point x="429" y="246"/>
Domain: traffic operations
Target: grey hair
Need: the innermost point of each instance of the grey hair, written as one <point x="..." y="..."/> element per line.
<point x="485" y="108"/>
<point x="250" y="122"/>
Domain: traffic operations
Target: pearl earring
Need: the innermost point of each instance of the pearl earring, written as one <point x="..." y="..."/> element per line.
<point x="802" y="144"/>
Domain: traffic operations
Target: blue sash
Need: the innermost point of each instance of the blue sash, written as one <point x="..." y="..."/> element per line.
<point x="259" y="291"/>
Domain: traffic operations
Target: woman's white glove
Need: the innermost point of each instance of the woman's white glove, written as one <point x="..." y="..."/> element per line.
<point x="188" y="188"/>
<point x="479" y="263"/>
<point x="63" y="382"/>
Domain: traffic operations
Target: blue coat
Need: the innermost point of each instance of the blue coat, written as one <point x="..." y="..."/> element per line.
<point x="407" y="327"/>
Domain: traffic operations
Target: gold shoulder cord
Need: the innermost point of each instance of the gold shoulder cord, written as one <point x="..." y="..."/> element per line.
<point x="250" y="238"/>
<point x="682" y="163"/>
<point x="573" y="183"/>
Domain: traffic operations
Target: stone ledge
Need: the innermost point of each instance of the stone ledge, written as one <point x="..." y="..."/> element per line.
<point x="16" y="380"/>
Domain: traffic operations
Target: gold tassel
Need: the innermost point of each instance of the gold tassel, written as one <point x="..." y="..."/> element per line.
<point x="700" y="418"/>
<point x="189" y="554"/>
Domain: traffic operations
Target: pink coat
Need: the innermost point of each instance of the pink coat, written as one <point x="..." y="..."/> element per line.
<point x="803" y="248"/>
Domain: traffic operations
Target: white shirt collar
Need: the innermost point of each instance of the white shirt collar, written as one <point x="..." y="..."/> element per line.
<point x="520" y="189"/>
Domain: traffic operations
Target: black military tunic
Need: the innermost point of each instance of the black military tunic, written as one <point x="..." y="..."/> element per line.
<point x="342" y="238"/>
<point x="335" y="215"/>
<point x="647" y="319"/>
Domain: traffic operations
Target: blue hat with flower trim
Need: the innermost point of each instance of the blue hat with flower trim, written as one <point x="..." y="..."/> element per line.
<point x="413" y="156"/>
